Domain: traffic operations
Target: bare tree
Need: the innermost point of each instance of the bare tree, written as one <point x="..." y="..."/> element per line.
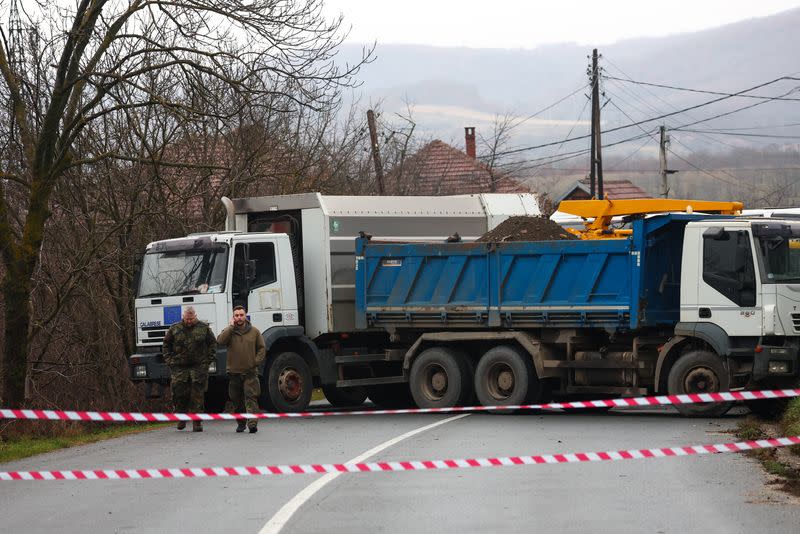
<point x="137" y="62"/>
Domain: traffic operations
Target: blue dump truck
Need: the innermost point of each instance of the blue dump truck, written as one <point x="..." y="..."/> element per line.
<point x="675" y="301"/>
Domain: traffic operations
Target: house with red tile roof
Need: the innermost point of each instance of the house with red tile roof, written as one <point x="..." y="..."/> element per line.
<point x="615" y="189"/>
<point x="441" y="169"/>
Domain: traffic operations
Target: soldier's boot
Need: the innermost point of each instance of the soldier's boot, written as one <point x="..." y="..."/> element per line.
<point x="197" y="426"/>
<point x="240" y="426"/>
<point x="181" y="425"/>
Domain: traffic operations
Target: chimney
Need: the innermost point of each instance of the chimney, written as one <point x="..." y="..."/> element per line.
<point x="469" y="137"/>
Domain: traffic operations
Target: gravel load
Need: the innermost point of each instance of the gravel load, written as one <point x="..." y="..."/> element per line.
<point x="521" y="228"/>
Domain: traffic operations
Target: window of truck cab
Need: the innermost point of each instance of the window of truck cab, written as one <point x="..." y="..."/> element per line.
<point x="778" y="250"/>
<point x="253" y="266"/>
<point x="178" y="269"/>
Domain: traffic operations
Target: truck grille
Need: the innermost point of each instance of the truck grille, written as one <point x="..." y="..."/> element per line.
<point x="796" y="321"/>
<point x="153" y="336"/>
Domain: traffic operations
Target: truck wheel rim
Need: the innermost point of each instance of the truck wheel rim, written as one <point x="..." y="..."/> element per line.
<point x="500" y="381"/>
<point x="701" y="380"/>
<point x="290" y="384"/>
<point x="434" y="384"/>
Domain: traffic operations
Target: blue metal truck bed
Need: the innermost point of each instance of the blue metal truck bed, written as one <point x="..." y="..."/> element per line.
<point x="621" y="284"/>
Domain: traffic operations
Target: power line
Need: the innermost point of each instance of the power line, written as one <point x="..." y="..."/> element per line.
<point x="569" y="155"/>
<point x="720" y="115"/>
<point x="536" y="114"/>
<point x="692" y="165"/>
<point x="551" y="106"/>
<point x="631" y="119"/>
<point x="558" y="150"/>
<point x="706" y="138"/>
<point x="766" y="127"/>
<point x="629" y="156"/>
<point x="737" y="134"/>
<point x="665" y="115"/>
<point x="739" y="95"/>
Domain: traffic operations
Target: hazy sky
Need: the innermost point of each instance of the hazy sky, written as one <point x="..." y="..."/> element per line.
<point x="527" y="24"/>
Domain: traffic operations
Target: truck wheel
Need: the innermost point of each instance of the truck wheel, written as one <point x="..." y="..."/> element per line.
<point x="502" y="377"/>
<point x="344" y="397"/>
<point x="289" y="383"/>
<point x="391" y="396"/>
<point x="438" y="378"/>
<point x="699" y="371"/>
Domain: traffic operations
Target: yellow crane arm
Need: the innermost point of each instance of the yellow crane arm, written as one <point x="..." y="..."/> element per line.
<point x="602" y="212"/>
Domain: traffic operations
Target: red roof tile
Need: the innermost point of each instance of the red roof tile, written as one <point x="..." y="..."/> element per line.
<point x="615" y="189"/>
<point x="440" y="169"/>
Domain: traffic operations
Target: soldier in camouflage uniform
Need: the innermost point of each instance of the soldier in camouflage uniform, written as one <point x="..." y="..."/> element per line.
<point x="246" y="353"/>
<point x="189" y="348"/>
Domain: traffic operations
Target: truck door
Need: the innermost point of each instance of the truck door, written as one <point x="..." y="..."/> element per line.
<point x="728" y="294"/>
<point x="255" y="283"/>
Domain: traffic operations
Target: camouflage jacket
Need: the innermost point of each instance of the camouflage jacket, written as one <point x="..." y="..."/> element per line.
<point x="187" y="346"/>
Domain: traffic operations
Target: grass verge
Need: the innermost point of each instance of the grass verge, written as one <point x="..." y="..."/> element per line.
<point x="790" y="423"/>
<point x="777" y="462"/>
<point x="25" y="445"/>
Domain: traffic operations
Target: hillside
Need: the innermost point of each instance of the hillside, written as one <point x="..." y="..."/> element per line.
<point x="453" y="87"/>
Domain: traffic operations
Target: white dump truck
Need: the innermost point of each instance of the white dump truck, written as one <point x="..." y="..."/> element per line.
<point x="290" y="260"/>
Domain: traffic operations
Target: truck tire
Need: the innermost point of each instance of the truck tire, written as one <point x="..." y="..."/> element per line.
<point x="503" y="377"/>
<point x="699" y="371"/>
<point x="391" y="396"/>
<point x="439" y="378"/>
<point x="288" y="382"/>
<point x="344" y="397"/>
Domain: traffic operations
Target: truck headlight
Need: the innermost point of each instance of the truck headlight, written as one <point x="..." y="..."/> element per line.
<point x="212" y="369"/>
<point x="140" y="371"/>
<point x="777" y="367"/>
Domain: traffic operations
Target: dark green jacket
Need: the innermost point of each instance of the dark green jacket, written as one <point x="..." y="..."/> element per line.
<point x="246" y="349"/>
<point x="189" y="346"/>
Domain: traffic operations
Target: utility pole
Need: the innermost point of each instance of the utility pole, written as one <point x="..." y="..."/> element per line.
<point x="596" y="167"/>
<point x="592" y="169"/>
<point x="664" y="143"/>
<point x="376" y="155"/>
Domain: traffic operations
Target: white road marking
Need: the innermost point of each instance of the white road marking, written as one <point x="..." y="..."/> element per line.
<point x="286" y="512"/>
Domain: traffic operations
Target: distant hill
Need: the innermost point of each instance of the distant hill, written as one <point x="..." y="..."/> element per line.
<point x="455" y="87"/>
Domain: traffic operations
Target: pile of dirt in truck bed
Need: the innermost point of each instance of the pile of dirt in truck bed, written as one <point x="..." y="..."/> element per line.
<point x="521" y="228"/>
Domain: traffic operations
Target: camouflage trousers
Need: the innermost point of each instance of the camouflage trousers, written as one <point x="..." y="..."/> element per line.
<point x="244" y="390"/>
<point x="189" y="385"/>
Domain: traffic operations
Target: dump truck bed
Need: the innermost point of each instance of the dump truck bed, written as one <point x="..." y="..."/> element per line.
<point x="608" y="283"/>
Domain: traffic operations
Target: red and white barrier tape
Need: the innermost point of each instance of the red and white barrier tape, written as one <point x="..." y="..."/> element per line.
<point x="135" y="417"/>
<point x="373" y="467"/>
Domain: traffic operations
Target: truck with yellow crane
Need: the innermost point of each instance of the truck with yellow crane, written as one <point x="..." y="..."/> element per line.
<point x="688" y="297"/>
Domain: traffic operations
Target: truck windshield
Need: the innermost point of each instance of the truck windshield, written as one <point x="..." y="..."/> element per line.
<point x="781" y="258"/>
<point x="183" y="272"/>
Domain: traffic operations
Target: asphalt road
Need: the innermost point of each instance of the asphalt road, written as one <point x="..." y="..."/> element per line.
<point x="713" y="493"/>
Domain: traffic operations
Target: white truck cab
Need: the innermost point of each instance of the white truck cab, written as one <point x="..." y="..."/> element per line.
<point x="740" y="292"/>
<point x="213" y="273"/>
